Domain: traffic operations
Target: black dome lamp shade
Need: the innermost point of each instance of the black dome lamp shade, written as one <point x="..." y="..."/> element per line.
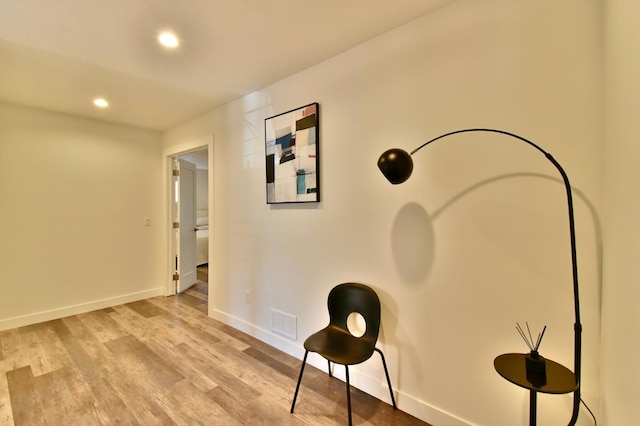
<point x="396" y="165"/>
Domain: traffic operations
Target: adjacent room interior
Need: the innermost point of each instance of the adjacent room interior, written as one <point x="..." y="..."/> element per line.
<point x="199" y="160"/>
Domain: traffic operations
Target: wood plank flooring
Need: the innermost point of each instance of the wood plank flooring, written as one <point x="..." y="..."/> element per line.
<point x="163" y="361"/>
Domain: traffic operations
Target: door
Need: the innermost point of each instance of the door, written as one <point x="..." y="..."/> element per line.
<point x="186" y="251"/>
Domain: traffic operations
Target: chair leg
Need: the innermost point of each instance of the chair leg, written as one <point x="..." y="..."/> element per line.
<point x="330" y="373"/>
<point x="295" y="395"/>
<point x="346" y="369"/>
<point x="386" y="372"/>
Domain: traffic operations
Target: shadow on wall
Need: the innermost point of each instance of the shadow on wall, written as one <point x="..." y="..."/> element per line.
<point x="577" y="193"/>
<point x="412" y="243"/>
<point x="389" y="337"/>
<point x="413" y="239"/>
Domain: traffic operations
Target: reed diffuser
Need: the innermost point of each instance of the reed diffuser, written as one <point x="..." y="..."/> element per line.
<point x="534" y="362"/>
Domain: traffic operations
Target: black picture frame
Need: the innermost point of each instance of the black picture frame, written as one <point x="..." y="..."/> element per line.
<point x="292" y="155"/>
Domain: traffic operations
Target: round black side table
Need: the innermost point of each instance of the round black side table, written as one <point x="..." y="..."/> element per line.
<point x="558" y="380"/>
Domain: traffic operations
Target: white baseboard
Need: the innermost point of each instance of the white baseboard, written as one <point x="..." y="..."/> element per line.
<point x="370" y="385"/>
<point x="66" y="311"/>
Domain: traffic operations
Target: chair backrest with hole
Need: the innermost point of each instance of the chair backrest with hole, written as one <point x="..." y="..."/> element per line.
<point x="345" y="299"/>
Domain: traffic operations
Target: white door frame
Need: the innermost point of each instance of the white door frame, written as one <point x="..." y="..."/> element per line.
<point x="169" y="154"/>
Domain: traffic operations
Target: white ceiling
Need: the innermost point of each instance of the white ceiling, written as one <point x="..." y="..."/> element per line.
<point x="61" y="54"/>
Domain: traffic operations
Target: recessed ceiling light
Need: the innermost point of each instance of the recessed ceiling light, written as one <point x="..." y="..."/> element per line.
<point x="168" y="39"/>
<point x="100" y="102"/>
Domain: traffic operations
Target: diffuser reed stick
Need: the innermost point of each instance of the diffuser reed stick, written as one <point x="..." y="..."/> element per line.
<point x="531" y="344"/>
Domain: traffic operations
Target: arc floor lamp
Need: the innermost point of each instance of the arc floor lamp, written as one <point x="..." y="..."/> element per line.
<point x="520" y="369"/>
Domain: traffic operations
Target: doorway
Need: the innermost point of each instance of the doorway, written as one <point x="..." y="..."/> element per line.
<point x="190" y="227"/>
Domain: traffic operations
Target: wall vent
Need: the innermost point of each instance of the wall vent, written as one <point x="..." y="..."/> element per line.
<point x="284" y="324"/>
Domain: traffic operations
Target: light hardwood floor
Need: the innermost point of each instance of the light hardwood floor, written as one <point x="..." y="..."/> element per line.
<point x="163" y="361"/>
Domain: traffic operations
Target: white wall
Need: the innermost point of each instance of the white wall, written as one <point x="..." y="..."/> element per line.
<point x="621" y="293"/>
<point x="74" y="195"/>
<point x="202" y="189"/>
<point x="476" y="241"/>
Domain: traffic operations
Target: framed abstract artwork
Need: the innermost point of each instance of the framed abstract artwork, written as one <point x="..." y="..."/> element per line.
<point x="292" y="156"/>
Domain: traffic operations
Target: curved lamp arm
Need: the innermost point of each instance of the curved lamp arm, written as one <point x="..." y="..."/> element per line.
<point x="397" y="165"/>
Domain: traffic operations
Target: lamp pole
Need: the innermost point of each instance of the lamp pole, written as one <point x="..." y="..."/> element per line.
<point x="397" y="165"/>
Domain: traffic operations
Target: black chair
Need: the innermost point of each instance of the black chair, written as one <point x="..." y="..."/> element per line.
<point x="336" y="343"/>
